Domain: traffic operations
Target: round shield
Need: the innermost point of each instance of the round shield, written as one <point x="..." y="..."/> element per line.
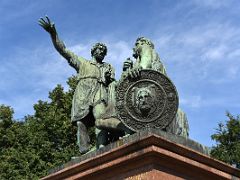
<point x="151" y="100"/>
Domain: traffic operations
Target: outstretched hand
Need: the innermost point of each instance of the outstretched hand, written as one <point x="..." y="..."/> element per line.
<point x="47" y="25"/>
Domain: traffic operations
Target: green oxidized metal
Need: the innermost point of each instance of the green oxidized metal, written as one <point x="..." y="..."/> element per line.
<point x="151" y="100"/>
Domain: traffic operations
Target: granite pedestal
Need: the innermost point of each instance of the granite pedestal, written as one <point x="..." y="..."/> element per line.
<point x="149" y="154"/>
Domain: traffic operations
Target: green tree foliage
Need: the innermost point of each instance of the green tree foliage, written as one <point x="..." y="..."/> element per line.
<point x="227" y="137"/>
<point x="30" y="148"/>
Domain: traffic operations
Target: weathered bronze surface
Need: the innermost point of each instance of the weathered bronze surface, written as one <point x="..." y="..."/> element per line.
<point x="151" y="100"/>
<point x="143" y="98"/>
<point x="90" y="98"/>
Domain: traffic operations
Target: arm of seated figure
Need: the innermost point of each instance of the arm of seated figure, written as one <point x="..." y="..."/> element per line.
<point x="129" y="70"/>
<point x="72" y="59"/>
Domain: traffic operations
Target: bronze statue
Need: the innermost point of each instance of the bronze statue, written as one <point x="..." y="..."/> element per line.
<point x="147" y="58"/>
<point x="91" y="95"/>
<point x="144" y="96"/>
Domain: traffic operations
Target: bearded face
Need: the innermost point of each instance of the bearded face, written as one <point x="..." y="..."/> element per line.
<point x="99" y="51"/>
<point x="138" y="48"/>
<point x="144" y="101"/>
<point x="141" y="43"/>
<point x="99" y="54"/>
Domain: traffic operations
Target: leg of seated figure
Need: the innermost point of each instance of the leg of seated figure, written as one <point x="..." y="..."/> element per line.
<point x="108" y="124"/>
<point x="101" y="138"/>
<point x="125" y="129"/>
<point x="113" y="124"/>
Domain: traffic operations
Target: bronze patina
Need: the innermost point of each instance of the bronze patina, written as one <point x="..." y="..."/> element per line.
<point x="144" y="97"/>
<point x="150" y="100"/>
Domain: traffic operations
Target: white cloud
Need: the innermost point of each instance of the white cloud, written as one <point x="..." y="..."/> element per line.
<point x="82" y="50"/>
<point x="162" y="41"/>
<point x="215" y="53"/>
<point x="198" y="102"/>
<point x="118" y="53"/>
<point x="9" y="10"/>
<point x="233" y="71"/>
<point x="29" y="74"/>
<point x="191" y="102"/>
<point x="214" y="4"/>
<point x="202" y="52"/>
<point x="234" y="54"/>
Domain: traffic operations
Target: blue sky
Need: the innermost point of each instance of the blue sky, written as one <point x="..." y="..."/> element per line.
<point x="197" y="40"/>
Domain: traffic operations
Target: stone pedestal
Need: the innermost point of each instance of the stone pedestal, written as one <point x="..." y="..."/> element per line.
<point x="150" y="154"/>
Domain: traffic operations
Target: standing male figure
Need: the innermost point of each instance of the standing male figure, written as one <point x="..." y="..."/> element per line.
<point x="91" y="94"/>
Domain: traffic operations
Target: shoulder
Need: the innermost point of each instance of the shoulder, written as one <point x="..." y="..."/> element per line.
<point x="82" y="60"/>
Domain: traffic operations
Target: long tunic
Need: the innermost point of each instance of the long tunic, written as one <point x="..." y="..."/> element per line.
<point x="92" y="87"/>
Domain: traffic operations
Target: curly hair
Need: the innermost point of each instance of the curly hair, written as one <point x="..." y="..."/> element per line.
<point x="145" y="40"/>
<point x="99" y="45"/>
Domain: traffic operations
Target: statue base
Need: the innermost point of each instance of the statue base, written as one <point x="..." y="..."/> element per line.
<point x="148" y="154"/>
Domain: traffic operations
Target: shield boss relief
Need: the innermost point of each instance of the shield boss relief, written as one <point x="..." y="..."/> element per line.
<point x="149" y="101"/>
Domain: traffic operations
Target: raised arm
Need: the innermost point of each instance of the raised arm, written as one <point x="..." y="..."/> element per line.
<point x="49" y="26"/>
